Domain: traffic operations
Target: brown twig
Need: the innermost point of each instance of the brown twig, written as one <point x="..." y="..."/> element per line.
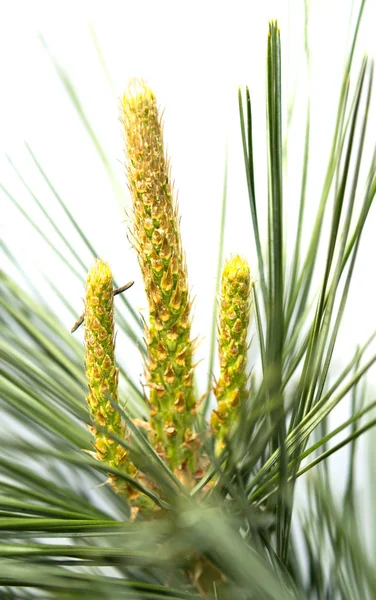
<point x="119" y="290"/>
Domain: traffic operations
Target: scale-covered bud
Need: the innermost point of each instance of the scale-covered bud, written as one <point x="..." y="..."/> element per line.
<point x="156" y="236"/>
<point x="102" y="373"/>
<point x="234" y="315"/>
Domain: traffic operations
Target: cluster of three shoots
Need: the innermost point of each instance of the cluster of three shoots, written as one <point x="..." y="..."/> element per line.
<point x="169" y="365"/>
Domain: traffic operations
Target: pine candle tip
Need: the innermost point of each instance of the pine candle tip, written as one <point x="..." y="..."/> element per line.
<point x="236" y="268"/>
<point x="137" y="91"/>
<point x="100" y="273"/>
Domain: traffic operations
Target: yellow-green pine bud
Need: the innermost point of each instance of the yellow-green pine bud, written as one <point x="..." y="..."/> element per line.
<point x="101" y="369"/>
<point x="156" y="236"/>
<point x="234" y="315"/>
